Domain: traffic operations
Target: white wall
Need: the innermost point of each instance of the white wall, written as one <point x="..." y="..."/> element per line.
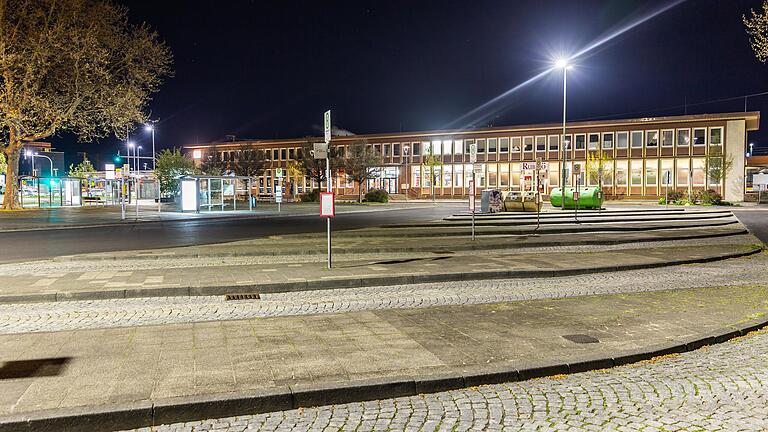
<point x="735" y="146"/>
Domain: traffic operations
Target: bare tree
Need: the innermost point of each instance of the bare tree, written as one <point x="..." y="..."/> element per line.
<point x="718" y="164"/>
<point x="315" y="168"/>
<point x="250" y="162"/>
<point x="75" y="65"/>
<point x="360" y="164"/>
<point x="757" y="29"/>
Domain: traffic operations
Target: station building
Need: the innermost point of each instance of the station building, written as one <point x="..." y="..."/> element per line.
<point x="636" y="155"/>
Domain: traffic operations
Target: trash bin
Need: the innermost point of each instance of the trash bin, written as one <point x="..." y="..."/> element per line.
<point x="485" y="201"/>
<point x="491" y="201"/>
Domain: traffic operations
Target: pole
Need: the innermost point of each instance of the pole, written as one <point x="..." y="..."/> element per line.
<point x="328" y="219"/>
<point x="536" y="196"/>
<point x="563" y="143"/>
<point x="154" y="155"/>
<point x="472" y="197"/>
<point x="407" y="174"/>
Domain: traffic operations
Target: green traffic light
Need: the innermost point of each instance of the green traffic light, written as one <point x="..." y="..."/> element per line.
<point x="118" y="159"/>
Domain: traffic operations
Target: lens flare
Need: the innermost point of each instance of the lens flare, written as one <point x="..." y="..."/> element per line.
<point x="490" y="108"/>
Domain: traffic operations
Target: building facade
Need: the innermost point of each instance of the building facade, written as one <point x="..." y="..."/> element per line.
<point x="629" y="158"/>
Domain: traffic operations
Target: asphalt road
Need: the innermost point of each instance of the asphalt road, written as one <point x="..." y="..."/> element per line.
<point x="29" y="245"/>
<point x="755" y="219"/>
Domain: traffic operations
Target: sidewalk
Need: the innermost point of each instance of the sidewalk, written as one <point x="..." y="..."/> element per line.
<point x="45" y="281"/>
<point x="130" y="377"/>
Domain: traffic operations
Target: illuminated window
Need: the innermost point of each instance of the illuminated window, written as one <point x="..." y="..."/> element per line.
<point x="608" y="141"/>
<point x="594" y="141"/>
<point x="481" y="146"/>
<point x="580" y="142"/>
<point x="699" y="137"/>
<point x="541" y="143"/>
<point x="554" y="143"/>
<point x="667" y="138"/>
<point x="515" y="144"/>
<point x="683" y="171"/>
<point x="652" y="139"/>
<point x="503" y="145"/>
<point x="492" y="145"/>
<point x="683" y="137"/>
<point x="651" y="172"/>
<point x="715" y="136"/>
<point x="528" y="144"/>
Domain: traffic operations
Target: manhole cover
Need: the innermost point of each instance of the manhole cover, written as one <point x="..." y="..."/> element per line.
<point x="251" y="296"/>
<point x="581" y="339"/>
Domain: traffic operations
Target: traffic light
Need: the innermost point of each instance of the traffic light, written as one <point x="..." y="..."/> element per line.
<point x="118" y="159"/>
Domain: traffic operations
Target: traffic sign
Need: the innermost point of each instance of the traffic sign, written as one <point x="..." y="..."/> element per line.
<point x="320" y="150"/>
<point x="472" y="153"/>
<point x="472" y="196"/>
<point x="327" y="126"/>
<point x="478" y="169"/>
<point x="327" y="205"/>
<point x="279" y="172"/>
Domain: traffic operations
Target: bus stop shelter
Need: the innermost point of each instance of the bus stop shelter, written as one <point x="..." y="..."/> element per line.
<point x="216" y="193"/>
<point x="50" y="192"/>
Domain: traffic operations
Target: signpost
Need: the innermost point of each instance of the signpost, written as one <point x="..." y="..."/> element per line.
<point x="321" y="152"/>
<point x="537" y="194"/>
<point x="279" y="187"/>
<point x="577" y="172"/>
<point x="667" y="181"/>
<point x="472" y="160"/>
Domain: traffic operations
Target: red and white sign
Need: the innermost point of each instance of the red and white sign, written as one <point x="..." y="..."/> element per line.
<point x="327" y="205"/>
<point x="472" y="195"/>
<point x="575" y="196"/>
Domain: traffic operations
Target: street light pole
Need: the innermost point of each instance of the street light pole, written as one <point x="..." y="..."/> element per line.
<point x="406" y="150"/>
<point x="564" y="65"/>
<point x="150" y="127"/>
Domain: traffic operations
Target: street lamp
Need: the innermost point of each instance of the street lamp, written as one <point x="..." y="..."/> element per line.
<point x="562" y="63"/>
<point x="28" y="153"/>
<point x="138" y="157"/>
<point x="751" y="149"/>
<point x="150" y="127"/>
<point x="130" y="146"/>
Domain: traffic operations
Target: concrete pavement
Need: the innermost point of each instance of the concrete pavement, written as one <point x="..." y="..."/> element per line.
<point x="192" y="371"/>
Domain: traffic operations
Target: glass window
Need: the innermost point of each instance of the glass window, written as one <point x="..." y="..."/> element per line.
<point x="457" y="146"/>
<point x="554" y="173"/>
<point x="416" y="149"/>
<point x="699" y="137"/>
<point x="541" y="143"/>
<point x="652" y="139"/>
<point x="427" y="148"/>
<point x="492" y="175"/>
<point x="275" y="154"/>
<point x="621" y="172"/>
<point x="385" y="150"/>
<point x="554" y="143"/>
<point x="621" y="140"/>
<point x="667" y="138"/>
<point x="683" y="137"/>
<point x="637" y="139"/>
<point x="699" y="174"/>
<point x="377" y="148"/>
<point x="504" y="174"/>
<point x="527" y="144"/>
<point x="608" y="140"/>
<point x="683" y="171"/>
<point x="492" y="145"/>
<point x="515" y="170"/>
<point x="415" y="175"/>
<point x="578" y="168"/>
<point x="636" y="172"/>
<point x="651" y="172"/>
<point x="396" y="149"/>
<point x="503" y="145"/>
<point x="580" y="142"/>
<point x="516" y="144"/>
<point x="447" y="177"/>
<point x="715" y="136"/>
<point x="608" y="173"/>
<point x="447" y="147"/>
<point x="291" y="154"/>
<point x="468" y="174"/>
<point x="458" y="172"/>
<point x="481" y="146"/>
<point x="437" y="147"/>
<point x="467" y="144"/>
<point x="667" y="171"/>
<point x="283" y="154"/>
<point x="594" y="141"/>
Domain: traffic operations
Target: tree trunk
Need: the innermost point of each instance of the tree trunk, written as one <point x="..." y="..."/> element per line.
<point x="360" y="192"/>
<point x="12" y="153"/>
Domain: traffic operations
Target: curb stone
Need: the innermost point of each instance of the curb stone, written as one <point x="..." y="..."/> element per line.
<point x="353" y="282"/>
<point x="194" y="408"/>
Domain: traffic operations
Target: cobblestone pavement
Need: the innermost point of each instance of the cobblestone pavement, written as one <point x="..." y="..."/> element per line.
<point x="54" y="268"/>
<point x="723" y="387"/>
<point x="38" y="317"/>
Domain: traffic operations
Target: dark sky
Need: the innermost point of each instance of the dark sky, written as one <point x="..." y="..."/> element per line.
<point x="266" y="69"/>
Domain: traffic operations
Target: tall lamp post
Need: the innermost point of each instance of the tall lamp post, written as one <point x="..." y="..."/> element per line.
<point x="563" y="64"/>
<point x="150" y="127"/>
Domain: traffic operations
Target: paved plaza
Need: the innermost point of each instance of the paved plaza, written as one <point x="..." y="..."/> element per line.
<point x="718" y="388"/>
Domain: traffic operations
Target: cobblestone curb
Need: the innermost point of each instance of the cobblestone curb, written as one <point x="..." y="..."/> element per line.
<point x="355" y="282"/>
<point x="185" y="409"/>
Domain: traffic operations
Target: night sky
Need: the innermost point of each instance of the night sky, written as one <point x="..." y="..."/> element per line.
<point x="268" y="69"/>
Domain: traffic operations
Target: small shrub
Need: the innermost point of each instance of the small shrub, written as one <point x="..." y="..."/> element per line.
<point x="710" y="197"/>
<point x="313" y="196"/>
<point x="674" y="198"/>
<point x="377" y="195"/>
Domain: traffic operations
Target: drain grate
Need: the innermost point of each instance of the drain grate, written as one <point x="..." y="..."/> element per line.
<point x="581" y="339"/>
<point x="250" y="296"/>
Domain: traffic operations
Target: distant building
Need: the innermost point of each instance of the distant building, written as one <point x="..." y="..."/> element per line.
<point x="638" y="152"/>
